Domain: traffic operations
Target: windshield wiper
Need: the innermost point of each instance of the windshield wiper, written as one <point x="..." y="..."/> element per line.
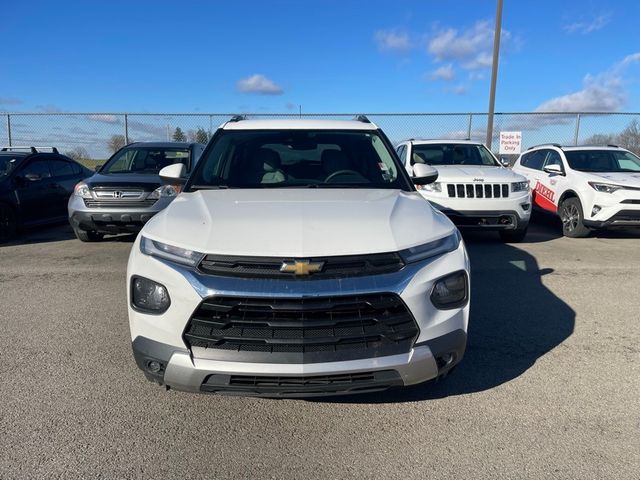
<point x="208" y="187"/>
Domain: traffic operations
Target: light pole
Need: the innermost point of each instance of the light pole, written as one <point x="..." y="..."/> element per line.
<point x="494" y="72"/>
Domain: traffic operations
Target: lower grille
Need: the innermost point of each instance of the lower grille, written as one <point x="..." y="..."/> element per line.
<point x="474" y="190"/>
<point x="304" y="385"/>
<point x="626" y="216"/>
<point x="119" y="203"/>
<point x="301" y="330"/>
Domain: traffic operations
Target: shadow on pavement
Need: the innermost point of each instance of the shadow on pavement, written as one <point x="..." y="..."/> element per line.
<point x="515" y="319"/>
<point x="55" y="233"/>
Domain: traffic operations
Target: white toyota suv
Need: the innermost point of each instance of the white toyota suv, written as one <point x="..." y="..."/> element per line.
<point x="473" y="189"/>
<point x="299" y="260"/>
<point x="588" y="187"/>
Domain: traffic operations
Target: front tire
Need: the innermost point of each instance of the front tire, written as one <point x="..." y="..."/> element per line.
<point x="8" y="223"/>
<point x="513" y="236"/>
<point x="573" y="219"/>
<point x="86" y="236"/>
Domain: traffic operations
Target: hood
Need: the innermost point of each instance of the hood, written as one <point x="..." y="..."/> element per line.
<point x="618" y="178"/>
<point x="146" y="182"/>
<point x="469" y="173"/>
<point x="298" y="222"/>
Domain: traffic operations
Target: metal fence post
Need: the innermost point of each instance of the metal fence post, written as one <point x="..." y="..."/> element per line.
<point x="9" y="129"/>
<point x="469" y="128"/>
<point x="126" y="129"/>
<point x="210" y="124"/>
<point x="576" y="135"/>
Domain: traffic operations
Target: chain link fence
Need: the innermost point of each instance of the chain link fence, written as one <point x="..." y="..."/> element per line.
<point x="95" y="136"/>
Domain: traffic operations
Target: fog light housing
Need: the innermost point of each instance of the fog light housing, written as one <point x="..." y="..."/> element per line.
<point x="154" y="366"/>
<point x="595" y="210"/>
<point x="451" y="291"/>
<point x="149" y="296"/>
<point x="525" y="206"/>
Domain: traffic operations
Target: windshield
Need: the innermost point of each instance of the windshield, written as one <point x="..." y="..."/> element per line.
<point x="298" y="158"/>
<point x="602" y="161"/>
<point x="145" y="160"/>
<point x="8" y="164"/>
<point x="452" y="154"/>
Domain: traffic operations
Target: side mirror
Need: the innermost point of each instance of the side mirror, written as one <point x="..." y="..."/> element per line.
<point x="505" y="162"/>
<point x="424" y="174"/>
<point x="97" y="167"/>
<point x="554" y="169"/>
<point x="174" y="174"/>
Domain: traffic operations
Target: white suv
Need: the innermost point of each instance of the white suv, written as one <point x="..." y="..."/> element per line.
<point x="298" y="260"/>
<point x="588" y="187"/>
<point x="473" y="188"/>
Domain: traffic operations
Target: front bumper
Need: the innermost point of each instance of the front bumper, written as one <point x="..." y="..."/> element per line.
<point x="176" y="367"/>
<point x="437" y="347"/>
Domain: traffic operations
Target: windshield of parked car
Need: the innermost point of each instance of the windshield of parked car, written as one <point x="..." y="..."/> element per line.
<point x="298" y="158"/>
<point x="145" y="160"/>
<point x="602" y="161"/>
<point x="452" y="154"/>
<point x="8" y="163"/>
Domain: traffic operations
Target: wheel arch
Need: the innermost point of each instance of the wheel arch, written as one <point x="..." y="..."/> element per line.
<point x="569" y="194"/>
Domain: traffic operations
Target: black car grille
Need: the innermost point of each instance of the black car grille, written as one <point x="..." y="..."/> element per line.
<point x="303" y="385"/>
<point x="302" y="330"/>
<point x="119" y="203"/>
<point x="475" y="190"/>
<point x="630" y="216"/>
<point x="332" y="267"/>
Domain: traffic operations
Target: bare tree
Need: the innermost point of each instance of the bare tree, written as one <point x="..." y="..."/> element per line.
<point x="116" y="142"/>
<point x="179" y="136"/>
<point x="78" y="153"/>
<point x="629" y="138"/>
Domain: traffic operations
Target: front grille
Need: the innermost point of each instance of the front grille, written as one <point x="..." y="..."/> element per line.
<point x="631" y="201"/>
<point x="474" y="190"/>
<point x="626" y="216"/>
<point x="333" y="267"/>
<point x="303" y="385"/>
<point x="301" y="330"/>
<point x="90" y="203"/>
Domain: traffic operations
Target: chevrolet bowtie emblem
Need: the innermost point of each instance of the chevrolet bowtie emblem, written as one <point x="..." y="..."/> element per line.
<point x="301" y="267"/>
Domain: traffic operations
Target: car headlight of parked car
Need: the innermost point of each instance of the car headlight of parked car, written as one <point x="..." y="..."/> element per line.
<point x="82" y="190"/>
<point x="432" y="249"/>
<point x="431" y="187"/>
<point x="170" y="252"/>
<point x="164" y="191"/>
<point x="605" y="187"/>
<point x="520" y="186"/>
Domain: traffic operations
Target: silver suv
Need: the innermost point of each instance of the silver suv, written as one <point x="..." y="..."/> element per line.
<point x="127" y="191"/>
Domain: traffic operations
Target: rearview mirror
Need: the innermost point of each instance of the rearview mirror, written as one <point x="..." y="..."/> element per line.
<point x="554" y="168"/>
<point x="174" y="174"/>
<point x="424" y="174"/>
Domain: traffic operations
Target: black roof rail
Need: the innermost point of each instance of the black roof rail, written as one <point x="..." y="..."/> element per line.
<point x="557" y="145"/>
<point x="238" y="118"/>
<point x="361" y="118"/>
<point x="612" y="145"/>
<point x="31" y="149"/>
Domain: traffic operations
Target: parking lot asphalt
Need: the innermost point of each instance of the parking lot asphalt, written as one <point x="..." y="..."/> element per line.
<point x="549" y="387"/>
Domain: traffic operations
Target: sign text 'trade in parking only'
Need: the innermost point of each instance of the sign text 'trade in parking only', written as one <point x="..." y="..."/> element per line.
<point x="510" y="142"/>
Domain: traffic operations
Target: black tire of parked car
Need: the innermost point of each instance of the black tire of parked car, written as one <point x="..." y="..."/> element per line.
<point x="85" y="236"/>
<point x="8" y="222"/>
<point x="573" y="219"/>
<point x="513" y="236"/>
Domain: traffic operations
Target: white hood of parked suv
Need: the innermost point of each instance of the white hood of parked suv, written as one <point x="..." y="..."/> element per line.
<point x="617" y="178"/>
<point x="469" y="173"/>
<point x="298" y="222"/>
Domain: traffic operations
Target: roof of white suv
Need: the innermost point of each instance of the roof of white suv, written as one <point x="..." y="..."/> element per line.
<point x="298" y="124"/>
<point x="444" y="140"/>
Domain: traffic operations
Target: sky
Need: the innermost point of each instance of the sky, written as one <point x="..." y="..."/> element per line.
<point x="320" y="56"/>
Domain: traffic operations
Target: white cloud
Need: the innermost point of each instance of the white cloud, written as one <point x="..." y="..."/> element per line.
<point x="459" y="89"/>
<point x="103" y="117"/>
<point x="604" y="92"/>
<point x="259" y="84"/>
<point x="10" y="101"/>
<point x="471" y="47"/>
<point x="589" y="26"/>
<point x="445" y="73"/>
<point x="49" y="108"/>
<point x="397" y="41"/>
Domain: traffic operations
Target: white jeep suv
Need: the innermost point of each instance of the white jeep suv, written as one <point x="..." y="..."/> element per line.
<point x="588" y="187"/>
<point x="473" y="189"/>
<point x="299" y="260"/>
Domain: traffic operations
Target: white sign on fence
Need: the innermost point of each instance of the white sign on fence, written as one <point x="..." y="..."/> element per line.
<point x="510" y="142"/>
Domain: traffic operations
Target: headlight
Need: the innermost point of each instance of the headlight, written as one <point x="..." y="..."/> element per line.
<point x="520" y="186"/>
<point x="451" y="291"/>
<point x="148" y="295"/>
<point x="164" y="191"/>
<point x="82" y="190"/>
<point x="431" y="187"/>
<point x="605" y="187"/>
<point x="169" y="252"/>
<point x="431" y="249"/>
